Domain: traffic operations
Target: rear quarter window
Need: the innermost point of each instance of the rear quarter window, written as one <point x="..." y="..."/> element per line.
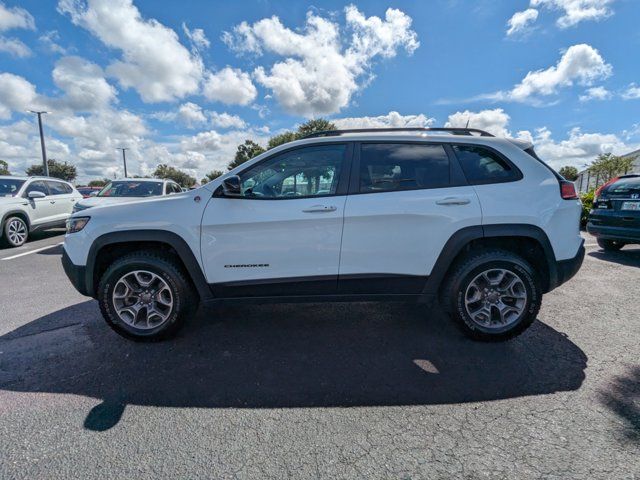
<point x="482" y="165"/>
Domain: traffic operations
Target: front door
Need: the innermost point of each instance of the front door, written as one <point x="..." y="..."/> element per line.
<point x="40" y="209"/>
<point x="282" y="235"/>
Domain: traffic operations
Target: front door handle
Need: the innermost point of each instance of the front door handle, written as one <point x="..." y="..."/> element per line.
<point x="320" y="209"/>
<point x="453" y="201"/>
<point x="52" y="202"/>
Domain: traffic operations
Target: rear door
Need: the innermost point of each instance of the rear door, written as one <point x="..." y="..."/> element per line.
<point x="282" y="235"/>
<point x="61" y="199"/>
<point x="406" y="200"/>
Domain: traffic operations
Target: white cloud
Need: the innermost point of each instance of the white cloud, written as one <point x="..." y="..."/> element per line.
<point x="50" y="41"/>
<point x="390" y="120"/>
<point x="520" y="21"/>
<point x="190" y="114"/>
<point x="581" y="64"/>
<point x="15" y="17"/>
<point x="84" y="85"/>
<point x="576" y="11"/>
<point x="579" y="148"/>
<point x="230" y="86"/>
<point x="154" y="62"/>
<point x="596" y="93"/>
<point x="493" y="121"/>
<point x="197" y="37"/>
<point x="318" y="75"/>
<point x="16" y="94"/>
<point x="202" y="142"/>
<point x="14" y="47"/>
<point x="226" y="120"/>
<point x="632" y="92"/>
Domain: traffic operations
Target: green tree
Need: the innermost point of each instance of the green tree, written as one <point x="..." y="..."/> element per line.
<point x="315" y="125"/>
<point x="4" y="168"/>
<point x="98" y="183"/>
<point x="281" y="138"/>
<point x="608" y="166"/>
<point x="246" y="151"/>
<point x="182" y="178"/>
<point x="212" y="175"/>
<point x="62" y="170"/>
<point x="570" y="173"/>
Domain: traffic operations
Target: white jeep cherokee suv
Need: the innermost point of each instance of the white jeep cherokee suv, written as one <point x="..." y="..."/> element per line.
<point x="28" y="204"/>
<point x="456" y="215"/>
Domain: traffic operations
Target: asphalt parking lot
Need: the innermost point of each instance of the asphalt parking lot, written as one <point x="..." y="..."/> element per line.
<point x="319" y="391"/>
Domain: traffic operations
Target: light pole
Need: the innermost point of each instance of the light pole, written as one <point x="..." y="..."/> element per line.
<point x="44" y="151"/>
<point x="124" y="160"/>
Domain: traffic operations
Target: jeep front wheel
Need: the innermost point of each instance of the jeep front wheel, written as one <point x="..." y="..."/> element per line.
<point x="494" y="295"/>
<point x="146" y="296"/>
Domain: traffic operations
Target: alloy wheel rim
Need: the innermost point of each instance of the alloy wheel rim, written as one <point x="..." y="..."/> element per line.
<point x="142" y="299"/>
<point x="17" y="232"/>
<point x="496" y="298"/>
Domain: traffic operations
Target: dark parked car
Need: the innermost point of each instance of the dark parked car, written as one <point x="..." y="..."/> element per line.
<point x="615" y="218"/>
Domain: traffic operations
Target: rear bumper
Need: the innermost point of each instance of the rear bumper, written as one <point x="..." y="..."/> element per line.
<point x="75" y="273"/>
<point x="627" y="234"/>
<point x="566" y="269"/>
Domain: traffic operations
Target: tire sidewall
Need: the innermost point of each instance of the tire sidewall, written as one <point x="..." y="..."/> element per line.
<point x="532" y="304"/>
<point x="109" y="282"/>
<point x="6" y="231"/>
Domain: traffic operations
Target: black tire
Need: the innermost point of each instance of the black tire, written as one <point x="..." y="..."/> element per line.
<point x="184" y="300"/>
<point x="14" y="222"/>
<point x="458" y="285"/>
<point x="609" y="245"/>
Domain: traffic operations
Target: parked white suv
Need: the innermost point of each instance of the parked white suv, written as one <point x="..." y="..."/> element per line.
<point x="476" y="222"/>
<point x="127" y="190"/>
<point x="28" y="204"/>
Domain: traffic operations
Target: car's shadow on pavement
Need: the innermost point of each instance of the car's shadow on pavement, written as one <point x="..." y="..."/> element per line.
<point x="280" y="356"/>
<point x="628" y="256"/>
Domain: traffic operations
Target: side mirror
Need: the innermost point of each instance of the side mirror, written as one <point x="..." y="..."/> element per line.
<point x="231" y="186"/>
<point x="35" y="194"/>
<point x="94" y="193"/>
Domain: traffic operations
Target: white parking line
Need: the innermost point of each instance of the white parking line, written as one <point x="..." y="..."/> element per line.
<point x="33" y="251"/>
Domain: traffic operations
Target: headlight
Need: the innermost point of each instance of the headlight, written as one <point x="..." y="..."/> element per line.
<point x="76" y="224"/>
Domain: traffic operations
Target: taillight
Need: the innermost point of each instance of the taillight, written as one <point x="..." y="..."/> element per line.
<point x="568" y="190"/>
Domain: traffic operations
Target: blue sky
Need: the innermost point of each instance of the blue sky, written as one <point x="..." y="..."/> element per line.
<point x="185" y="82"/>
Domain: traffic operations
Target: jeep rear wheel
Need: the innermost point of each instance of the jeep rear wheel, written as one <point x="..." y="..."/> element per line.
<point x="15" y="231"/>
<point x="493" y="295"/>
<point x="146" y="296"/>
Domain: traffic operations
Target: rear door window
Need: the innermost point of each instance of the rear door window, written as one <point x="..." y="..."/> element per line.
<point x="482" y="165"/>
<point x="388" y="167"/>
<point x="58" y="188"/>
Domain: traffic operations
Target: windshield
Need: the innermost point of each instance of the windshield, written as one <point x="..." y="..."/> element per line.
<point x="131" y="189"/>
<point x="9" y="187"/>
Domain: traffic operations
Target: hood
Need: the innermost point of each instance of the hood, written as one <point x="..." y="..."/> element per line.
<point x="100" y="201"/>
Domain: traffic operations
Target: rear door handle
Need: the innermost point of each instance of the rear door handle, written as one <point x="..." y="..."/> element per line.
<point x="52" y="202"/>
<point x="320" y="209"/>
<point x="453" y="201"/>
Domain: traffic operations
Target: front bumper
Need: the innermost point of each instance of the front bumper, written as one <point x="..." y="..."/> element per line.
<point x="75" y="273"/>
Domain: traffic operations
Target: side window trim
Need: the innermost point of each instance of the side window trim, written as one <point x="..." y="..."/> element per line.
<point x="343" y="179"/>
<point x="517" y="172"/>
<point x="456" y="176"/>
